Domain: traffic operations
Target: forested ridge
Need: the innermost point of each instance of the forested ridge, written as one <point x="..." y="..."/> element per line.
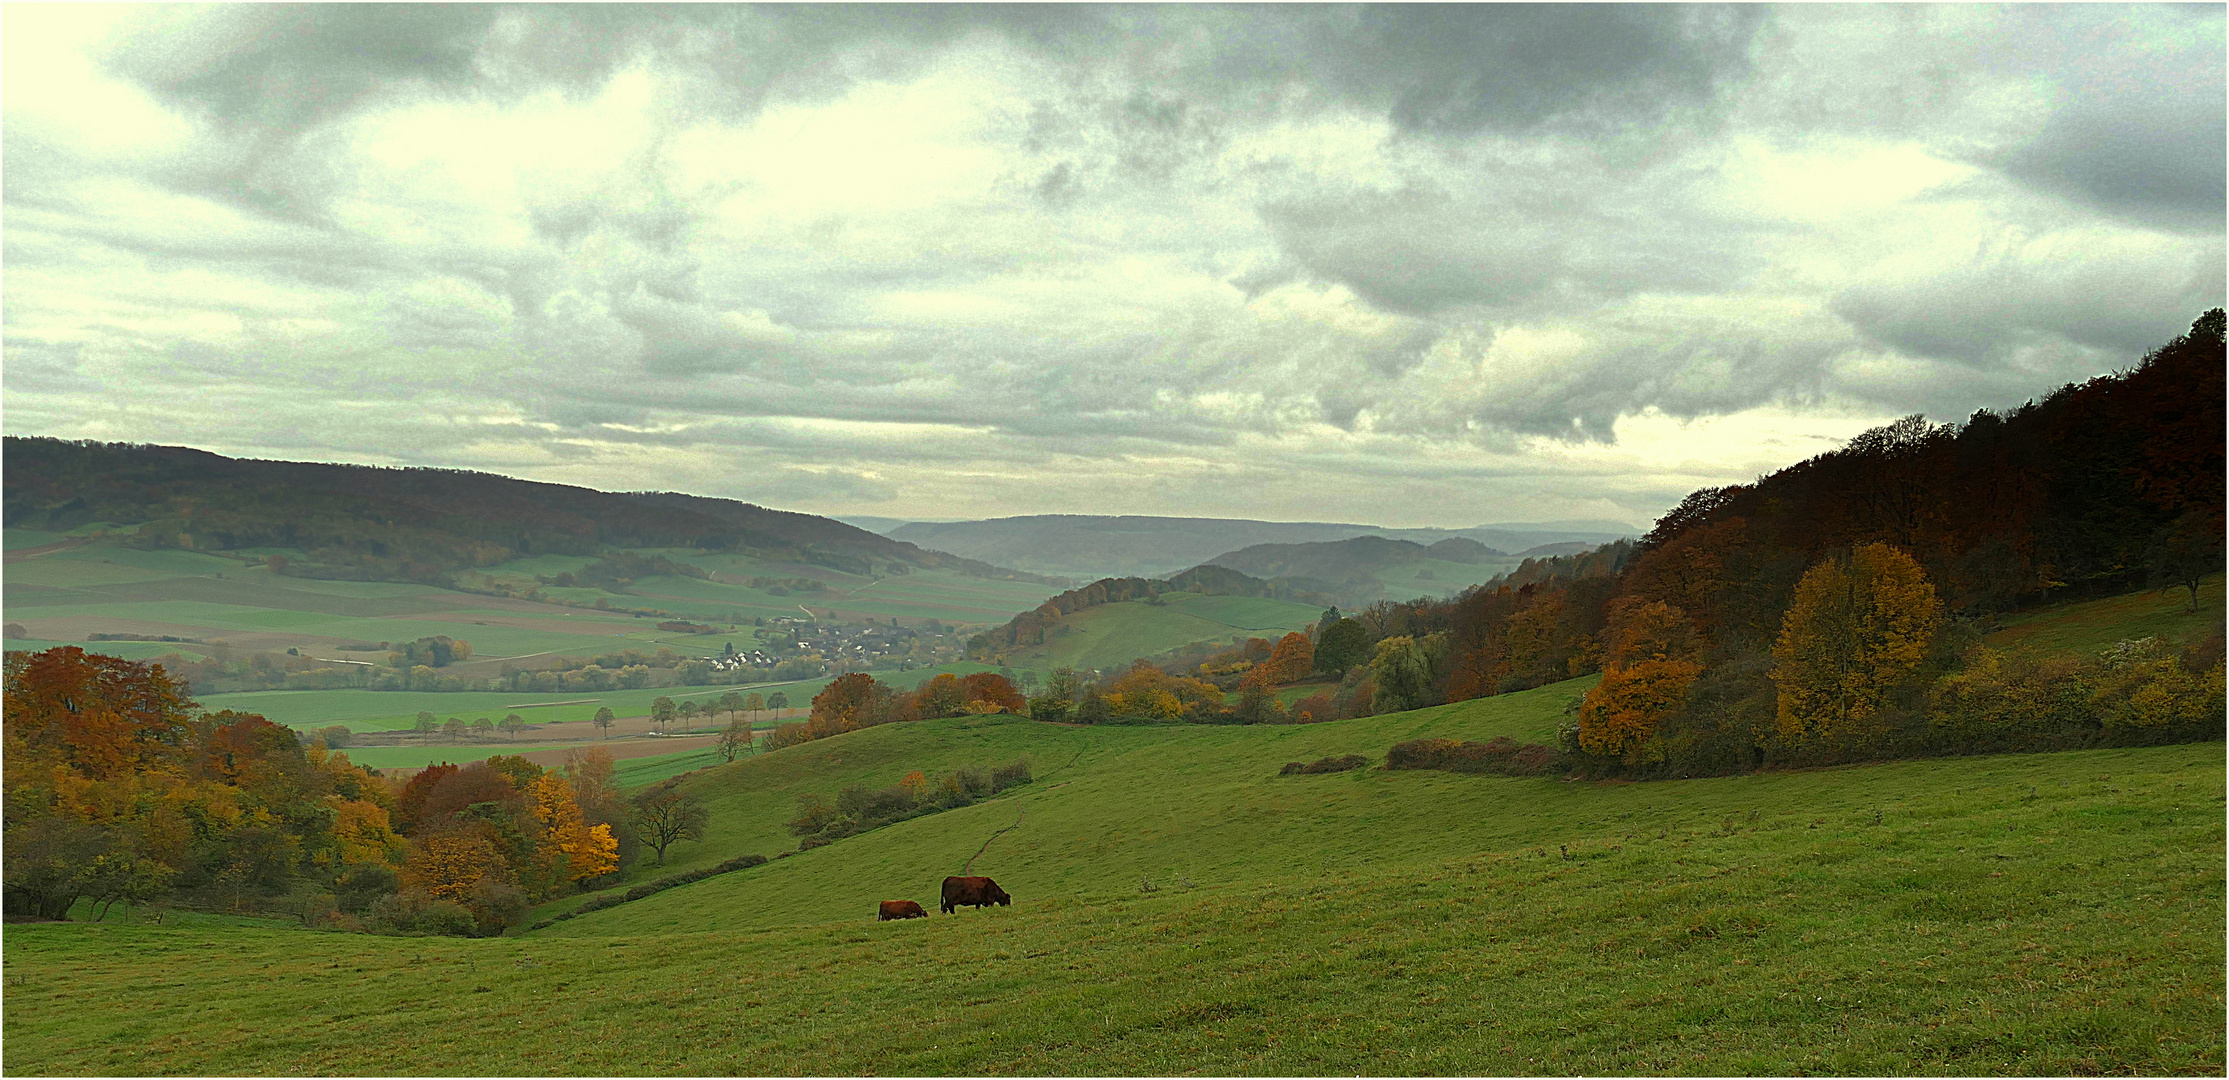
<point x="406" y="524"/>
<point x="1831" y="611"/>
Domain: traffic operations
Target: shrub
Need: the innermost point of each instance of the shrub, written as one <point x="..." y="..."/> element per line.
<point x="1499" y="756"/>
<point x="1013" y="774"/>
<point x="1326" y="765"/>
<point x="814" y="841"/>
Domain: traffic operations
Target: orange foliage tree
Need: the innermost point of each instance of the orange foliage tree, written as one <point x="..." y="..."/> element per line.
<point x="1648" y="664"/>
<point x="1291" y="661"/>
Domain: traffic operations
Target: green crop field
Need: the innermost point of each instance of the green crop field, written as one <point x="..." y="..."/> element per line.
<point x="2015" y="914"/>
<point x="1111" y="635"/>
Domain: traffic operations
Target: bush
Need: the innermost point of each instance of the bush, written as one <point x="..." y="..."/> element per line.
<point x="1499" y="756"/>
<point x="814" y="841"/>
<point x="1014" y="774"/>
<point x="1326" y="765"/>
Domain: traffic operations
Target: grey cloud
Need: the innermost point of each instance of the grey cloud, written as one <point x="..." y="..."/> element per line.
<point x="1981" y="314"/>
<point x="2153" y="151"/>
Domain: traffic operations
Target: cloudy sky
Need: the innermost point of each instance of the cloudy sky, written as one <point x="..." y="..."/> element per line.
<point x="1405" y="265"/>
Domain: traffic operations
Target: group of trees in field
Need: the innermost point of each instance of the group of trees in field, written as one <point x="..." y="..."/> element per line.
<point x="119" y="789"/>
<point x="1828" y="612"/>
<point x="859" y="700"/>
<point x="855" y="810"/>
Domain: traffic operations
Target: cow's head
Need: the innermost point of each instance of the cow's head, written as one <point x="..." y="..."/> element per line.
<point x="999" y="895"/>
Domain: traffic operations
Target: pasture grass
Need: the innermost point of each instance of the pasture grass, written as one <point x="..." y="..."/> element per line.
<point x="2023" y="914"/>
<point x="2092" y="626"/>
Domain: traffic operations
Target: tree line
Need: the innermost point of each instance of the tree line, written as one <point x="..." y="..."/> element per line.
<point x="120" y="789"/>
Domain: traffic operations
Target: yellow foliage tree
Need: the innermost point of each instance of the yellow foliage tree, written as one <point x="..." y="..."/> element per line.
<point x="1854" y="630"/>
<point x="449" y="866"/>
<point x="588" y="851"/>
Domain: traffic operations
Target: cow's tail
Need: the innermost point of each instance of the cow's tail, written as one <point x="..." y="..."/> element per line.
<point x="987" y="843"/>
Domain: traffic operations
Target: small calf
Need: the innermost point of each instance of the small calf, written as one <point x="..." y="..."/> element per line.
<point x="900" y="909"/>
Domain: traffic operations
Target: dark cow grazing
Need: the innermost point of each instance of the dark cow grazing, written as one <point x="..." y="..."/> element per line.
<point x="900" y="909"/>
<point x="973" y="892"/>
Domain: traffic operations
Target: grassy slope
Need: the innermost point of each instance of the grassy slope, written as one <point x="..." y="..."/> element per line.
<point x="1112" y="635"/>
<point x="2091" y="626"/>
<point x="2032" y="914"/>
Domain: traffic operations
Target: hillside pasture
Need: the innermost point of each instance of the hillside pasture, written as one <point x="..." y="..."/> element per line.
<point x="2013" y="915"/>
<point x="2092" y="626"/>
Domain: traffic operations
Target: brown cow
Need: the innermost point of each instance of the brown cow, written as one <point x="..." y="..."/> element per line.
<point x="900" y="909"/>
<point x="973" y="892"/>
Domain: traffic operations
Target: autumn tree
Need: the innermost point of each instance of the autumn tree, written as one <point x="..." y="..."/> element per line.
<point x="1650" y="659"/>
<point x="512" y="724"/>
<point x="777" y="701"/>
<point x="753" y="702"/>
<point x="734" y="739"/>
<point x="604" y="720"/>
<point x="662" y="711"/>
<point x="688" y="712"/>
<point x="989" y="691"/>
<point x="940" y="696"/>
<point x="1855" y="630"/>
<point x="453" y="728"/>
<point x="427" y="724"/>
<point x="663" y="815"/>
<point x="731" y="703"/>
<point x="588" y="850"/>
<point x="483" y="728"/>
<point x="1292" y="660"/>
<point x="850" y="702"/>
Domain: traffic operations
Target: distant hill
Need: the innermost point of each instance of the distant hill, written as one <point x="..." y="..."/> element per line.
<point x="369" y="523"/>
<point x="1090" y="547"/>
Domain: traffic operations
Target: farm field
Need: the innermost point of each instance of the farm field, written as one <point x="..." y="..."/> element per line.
<point x="397" y="710"/>
<point x="1110" y="636"/>
<point x="100" y="586"/>
<point x="921" y="595"/>
<point x="2015" y="914"/>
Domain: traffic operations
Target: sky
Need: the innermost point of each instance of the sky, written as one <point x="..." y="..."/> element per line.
<point x="1410" y="265"/>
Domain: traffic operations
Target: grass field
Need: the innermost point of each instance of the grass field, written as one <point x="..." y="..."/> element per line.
<point x="1436" y="577"/>
<point x="2023" y="914"/>
<point x="2091" y="626"/>
<point x="2030" y="914"/>
<point x="1111" y="635"/>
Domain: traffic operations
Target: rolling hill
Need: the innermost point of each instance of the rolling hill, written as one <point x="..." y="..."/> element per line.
<point x="1087" y="547"/>
<point x="1361" y="570"/>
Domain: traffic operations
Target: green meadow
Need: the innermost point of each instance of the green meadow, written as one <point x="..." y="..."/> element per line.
<point x="2016" y="914"/>
<point x="2091" y="626"/>
<point x="1110" y="636"/>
